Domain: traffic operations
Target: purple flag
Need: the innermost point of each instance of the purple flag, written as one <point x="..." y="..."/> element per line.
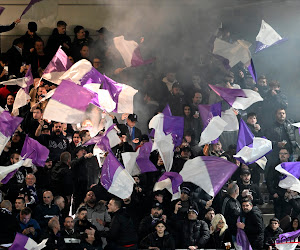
<point x="242" y="239"/>
<point x="175" y="178"/>
<point x="1" y="9"/>
<point x="252" y="70"/>
<point x="8" y="123"/>
<point x="32" y="149"/>
<point x="245" y="136"/>
<point x="92" y="76"/>
<point x="28" y="80"/>
<point x="23" y="242"/>
<point x="113" y="88"/>
<point x="143" y="161"/>
<point x="291" y="173"/>
<point x="137" y="59"/>
<point x="32" y="2"/>
<point x="292" y="167"/>
<point x="229" y="95"/>
<point x="59" y="63"/>
<point x="167" y="110"/>
<point x="287" y="240"/>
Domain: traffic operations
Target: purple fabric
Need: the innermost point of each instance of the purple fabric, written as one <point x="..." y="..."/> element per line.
<point x="167" y="110"/>
<point x="8" y="123"/>
<point x="143" y="161"/>
<point x="229" y="95"/>
<point x="73" y="95"/>
<point x="292" y="167"/>
<point x="113" y="88"/>
<point x="29" y="81"/>
<point x="242" y="239"/>
<point x="245" y="136"/>
<point x="288" y="237"/>
<point x="93" y="76"/>
<point x="219" y="171"/>
<point x="32" y="2"/>
<point x="59" y="63"/>
<point x="174" y="125"/>
<point x="137" y="59"/>
<point x="252" y="70"/>
<point x="224" y="60"/>
<point x="1" y="9"/>
<point x="207" y="112"/>
<point x="175" y="178"/>
<point x="153" y="132"/>
<point x="260" y="46"/>
<point x="109" y="168"/>
<point x="8" y="177"/>
<point x="32" y="149"/>
<point x="19" y="242"/>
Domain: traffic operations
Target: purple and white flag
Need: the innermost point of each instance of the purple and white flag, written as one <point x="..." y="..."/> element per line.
<point x="237" y="98"/>
<point x="287" y="241"/>
<point x="35" y="151"/>
<point x="291" y="172"/>
<point x="208" y="172"/>
<point x="130" y="52"/>
<point x="1" y="9"/>
<point x="252" y="70"/>
<point x="115" y="178"/>
<point x="22" y="242"/>
<point x="68" y="103"/>
<point x="267" y="37"/>
<point x="230" y="117"/>
<point x="235" y="52"/>
<point x="138" y="162"/>
<point x="242" y="242"/>
<point x="32" y="2"/>
<point x="6" y="172"/>
<point x="59" y="64"/>
<point x="23" y="82"/>
<point x="8" y="125"/>
<point x="171" y="181"/>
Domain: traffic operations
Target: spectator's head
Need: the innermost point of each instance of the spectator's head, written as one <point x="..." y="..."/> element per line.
<point x="37" y="113"/>
<point x="61" y="27"/>
<point x="280" y="115"/>
<point x="6" y="204"/>
<point x="251" y="118"/>
<point x="20" y="203"/>
<point x="160" y="227"/>
<point x="114" y="205"/>
<point x="245" y="176"/>
<point x="262" y="81"/>
<point x="65" y="157"/>
<point x="39" y="46"/>
<point x="233" y="190"/>
<point x="82" y="214"/>
<point x="284" y="155"/>
<point x="71" y="59"/>
<point x="187" y="110"/>
<point x="127" y="201"/>
<point x="60" y="202"/>
<point x="90" y="198"/>
<point x="19" y="43"/>
<point x="131" y="120"/>
<point x="84" y="135"/>
<point x="14" y="158"/>
<point x="219" y="223"/>
<point x="80" y="151"/>
<point x="79" y="32"/>
<point x="185" y="193"/>
<point x="32" y="28"/>
<point x="47" y="197"/>
<point x="16" y="137"/>
<point x="25" y="215"/>
<point x="69" y="223"/>
<point x="197" y="98"/>
<point x="193" y="213"/>
<point x="97" y="63"/>
<point x="217" y="147"/>
<point x="84" y="51"/>
<point x="30" y="180"/>
<point x="171" y="76"/>
<point x="76" y="138"/>
<point x="48" y="163"/>
<point x="41" y="91"/>
<point x="274" y="223"/>
<point x="185" y="153"/>
<point x="10" y="99"/>
<point x="143" y="139"/>
<point x="57" y="128"/>
<point x="196" y="80"/>
<point x="102" y="32"/>
<point x="54" y="225"/>
<point x="295" y="225"/>
<point x="274" y="85"/>
<point x="247" y="205"/>
<point x="158" y="196"/>
<point x="210" y="214"/>
<point x="176" y="89"/>
<point x="46" y="130"/>
<point x="156" y="210"/>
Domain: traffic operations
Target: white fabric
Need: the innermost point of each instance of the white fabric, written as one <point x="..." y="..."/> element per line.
<point x="230" y="118"/>
<point x="167" y="184"/>
<point x="20" y="101"/>
<point x="261" y="146"/>
<point x="56" y="111"/>
<point x="126" y="48"/>
<point x="77" y="71"/>
<point x="129" y="161"/>
<point x="105" y="100"/>
<point x="113" y="138"/>
<point x="290" y="181"/>
<point x="48" y="95"/>
<point x="122" y="184"/>
<point x="3" y="141"/>
<point x="244" y="103"/>
<point x="297" y="124"/>
<point x="213" y="130"/>
<point x="235" y="52"/>
<point x="195" y="171"/>
<point x="53" y="77"/>
<point x="262" y="162"/>
<point x="32" y="245"/>
<point x="5" y="170"/>
<point x="287" y="246"/>
<point x="267" y="35"/>
<point x="94" y="114"/>
<point x="125" y="102"/>
<point x="19" y="81"/>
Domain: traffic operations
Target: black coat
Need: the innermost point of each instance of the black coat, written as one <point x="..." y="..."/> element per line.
<point x="146" y="226"/>
<point x="56" y="40"/>
<point x="29" y="43"/>
<point x="9" y="226"/>
<point x="15" y="60"/>
<point x="153" y="240"/>
<point x="270" y="236"/>
<point x="217" y="241"/>
<point x="257" y="199"/>
<point x="43" y="213"/>
<point x="231" y="209"/>
<point x="62" y="179"/>
<point x="54" y="241"/>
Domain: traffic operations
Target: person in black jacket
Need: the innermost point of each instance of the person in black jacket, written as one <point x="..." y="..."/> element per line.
<point x="15" y="57"/>
<point x="272" y="232"/>
<point x="55" y="239"/>
<point x="5" y="28"/>
<point x="253" y="125"/>
<point x="160" y="239"/>
<point x="252" y="223"/>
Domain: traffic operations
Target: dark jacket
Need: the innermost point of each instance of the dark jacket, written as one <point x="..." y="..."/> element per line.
<point x="5" y="28"/>
<point x="56" y="40"/>
<point x="270" y="236"/>
<point x="43" y="213"/>
<point x="62" y="179"/>
<point x="15" y="59"/>
<point x="217" y="241"/>
<point x="257" y="199"/>
<point x="295" y="204"/>
<point x="29" y="43"/>
<point x="258" y="133"/>
<point x="54" y="241"/>
<point x="254" y="227"/>
<point x="147" y="226"/>
<point x="31" y="223"/>
<point x="72" y="239"/>
<point x="125" y="130"/>
<point x="9" y="226"/>
<point x="153" y="240"/>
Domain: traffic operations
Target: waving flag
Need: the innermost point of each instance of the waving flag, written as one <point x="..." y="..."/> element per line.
<point x="59" y="64"/>
<point x="291" y="170"/>
<point x="23" y="82"/>
<point x="249" y="148"/>
<point x="230" y="117"/>
<point x="1" y="9"/>
<point x="130" y="52"/>
<point x="138" y="162"/>
<point x="32" y="2"/>
<point x="252" y="70"/>
<point x="242" y="242"/>
<point x="237" y="98"/>
<point x="23" y="242"/>
<point x="35" y="151"/>
<point x="171" y="181"/>
<point x="208" y="172"/>
<point x="287" y="241"/>
<point x="6" y="172"/>
<point x="68" y="103"/>
<point x="8" y="125"/>
<point x="267" y="37"/>
<point x="235" y="52"/>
